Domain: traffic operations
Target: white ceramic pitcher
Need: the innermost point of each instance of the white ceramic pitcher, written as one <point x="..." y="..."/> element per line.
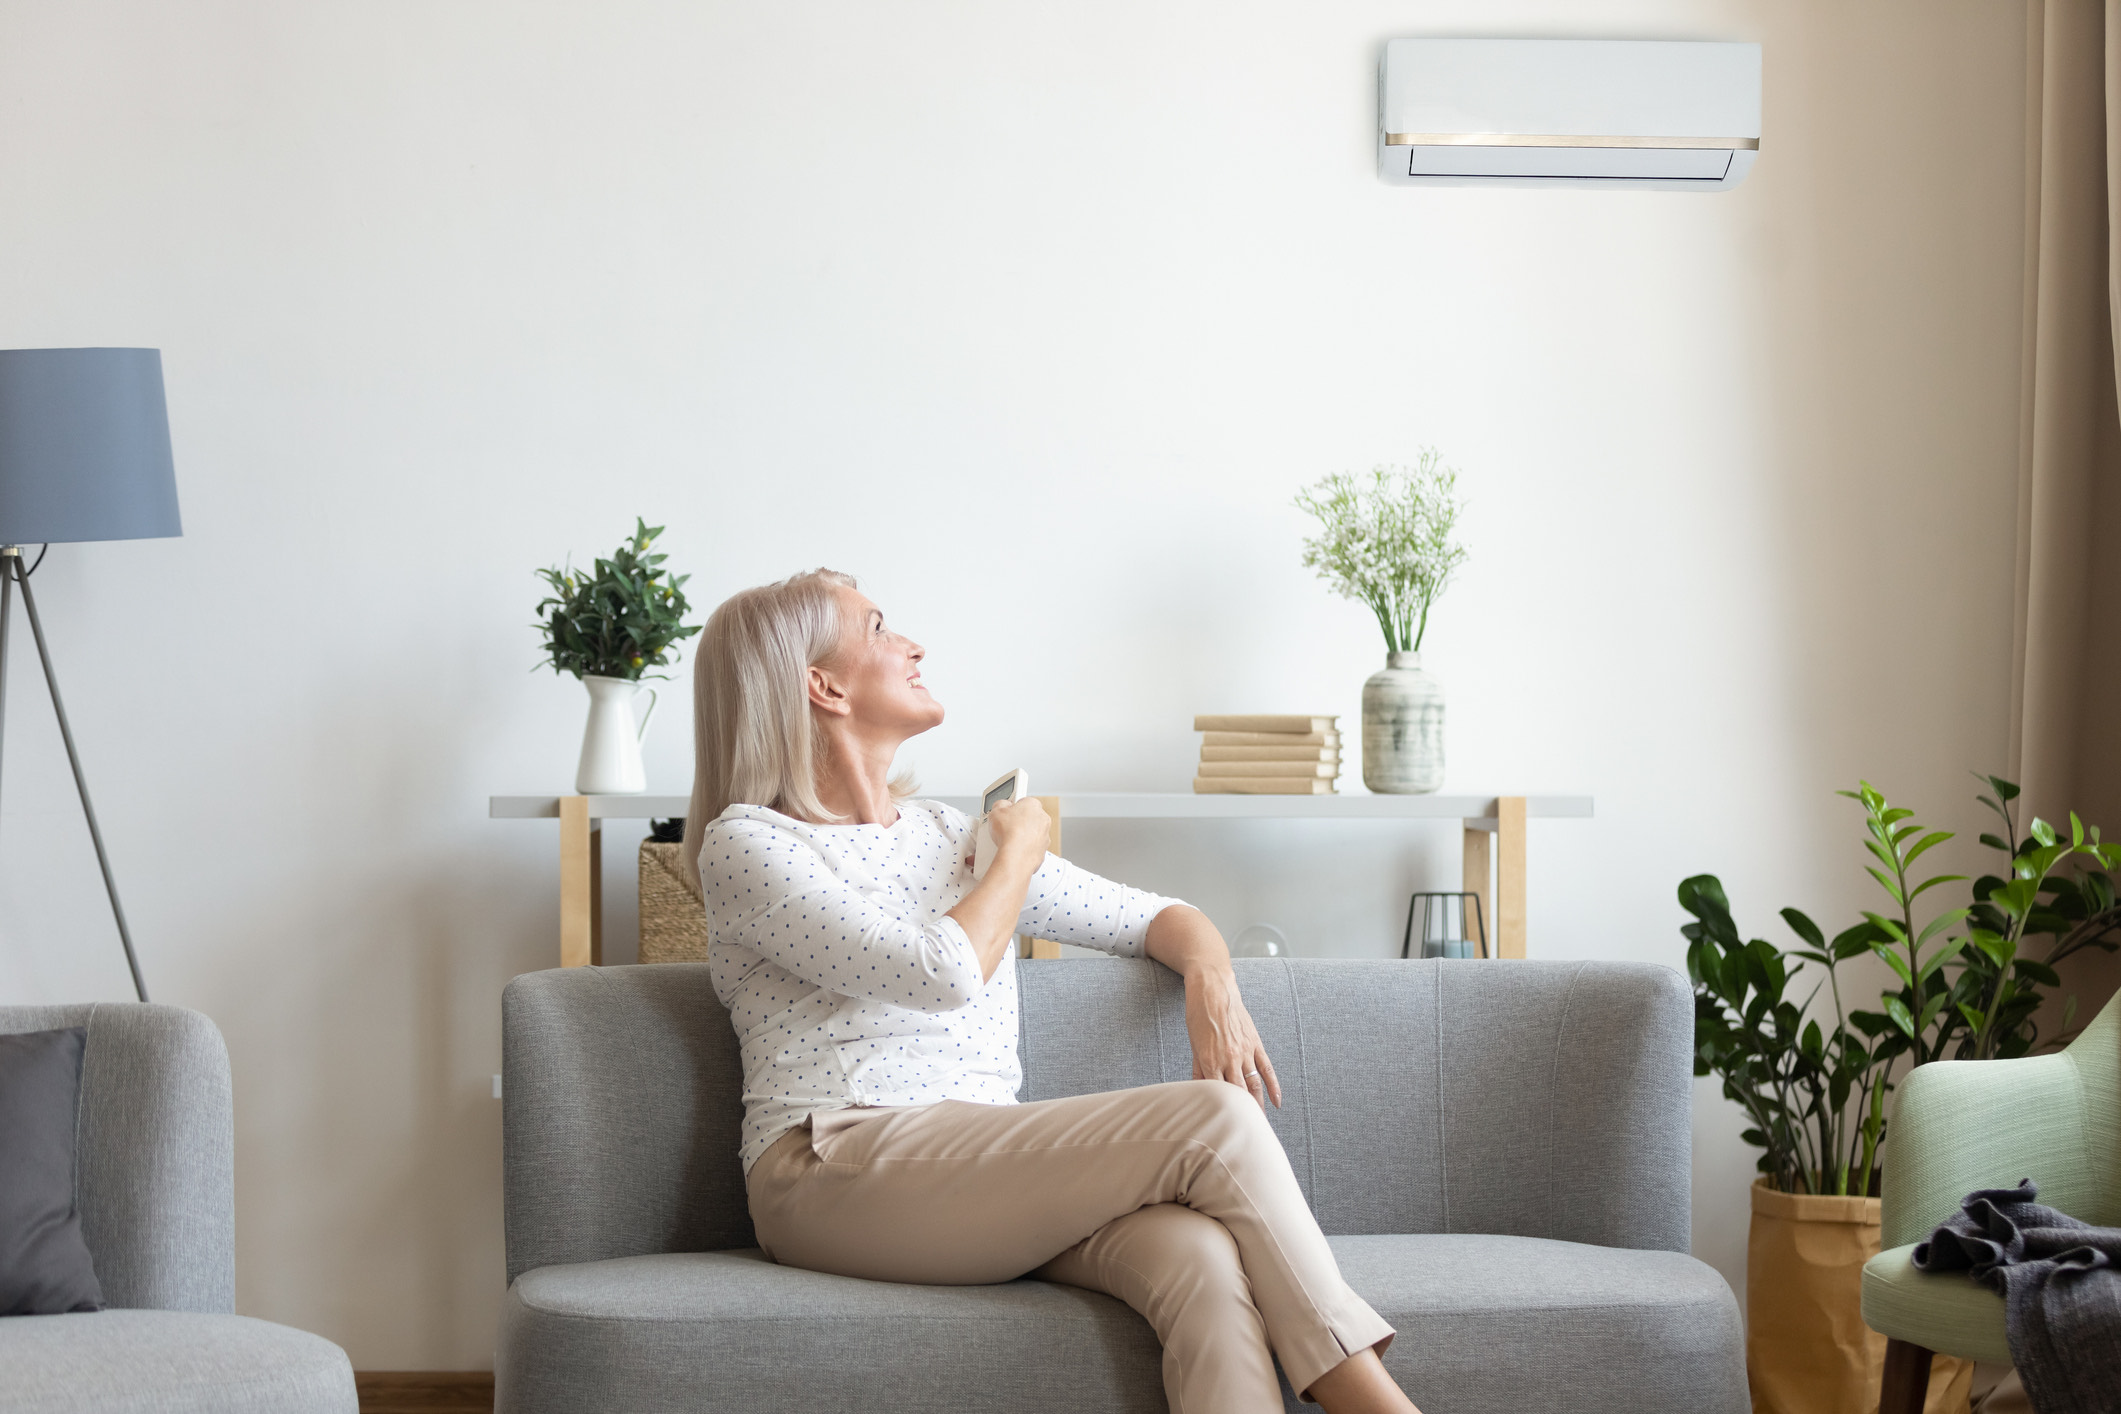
<point x="611" y="744"/>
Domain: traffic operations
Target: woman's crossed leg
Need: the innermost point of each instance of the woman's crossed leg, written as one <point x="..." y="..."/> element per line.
<point x="958" y="1193"/>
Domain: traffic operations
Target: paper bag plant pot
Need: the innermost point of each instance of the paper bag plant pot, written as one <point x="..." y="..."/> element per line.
<point x="1807" y="1350"/>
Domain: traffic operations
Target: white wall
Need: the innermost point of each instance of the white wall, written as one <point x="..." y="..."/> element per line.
<point x="1035" y="317"/>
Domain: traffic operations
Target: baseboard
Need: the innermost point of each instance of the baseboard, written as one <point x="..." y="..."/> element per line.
<point x="425" y="1391"/>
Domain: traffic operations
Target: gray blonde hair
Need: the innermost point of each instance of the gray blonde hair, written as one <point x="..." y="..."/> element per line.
<point x="753" y="740"/>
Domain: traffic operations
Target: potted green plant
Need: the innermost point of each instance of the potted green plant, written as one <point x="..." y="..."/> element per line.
<point x="1814" y="1088"/>
<point x="609" y="627"/>
<point x="1385" y="541"/>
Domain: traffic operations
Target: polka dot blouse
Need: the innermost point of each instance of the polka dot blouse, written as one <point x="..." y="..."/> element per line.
<point x="846" y="983"/>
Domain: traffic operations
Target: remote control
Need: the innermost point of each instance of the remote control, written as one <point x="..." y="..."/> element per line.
<point x="1014" y="786"/>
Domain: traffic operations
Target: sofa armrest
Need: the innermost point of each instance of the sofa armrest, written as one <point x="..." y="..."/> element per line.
<point x="1959" y="1126"/>
<point x="620" y="1111"/>
<point x="157" y="1152"/>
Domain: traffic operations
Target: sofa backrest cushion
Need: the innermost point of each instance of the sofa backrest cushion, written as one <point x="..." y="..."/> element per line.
<point x="1542" y="1099"/>
<point x="1545" y="1099"/>
<point x="156" y="1153"/>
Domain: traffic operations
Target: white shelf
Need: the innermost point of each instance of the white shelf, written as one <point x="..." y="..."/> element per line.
<point x="1093" y="805"/>
<point x="1096" y="805"/>
<point x="601" y="807"/>
<point x="1494" y="868"/>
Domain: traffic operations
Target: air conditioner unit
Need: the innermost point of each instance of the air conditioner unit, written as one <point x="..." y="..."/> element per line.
<point x="1662" y="114"/>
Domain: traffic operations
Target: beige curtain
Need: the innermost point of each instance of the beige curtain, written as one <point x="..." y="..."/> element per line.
<point x="2066" y="711"/>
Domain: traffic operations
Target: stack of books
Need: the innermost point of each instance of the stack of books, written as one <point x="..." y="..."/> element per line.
<point x="1268" y="755"/>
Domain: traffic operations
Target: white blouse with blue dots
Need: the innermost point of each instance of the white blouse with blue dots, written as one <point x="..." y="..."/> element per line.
<point x="846" y="983"/>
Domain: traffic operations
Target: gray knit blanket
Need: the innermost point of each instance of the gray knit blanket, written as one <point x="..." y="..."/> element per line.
<point x="2060" y="1281"/>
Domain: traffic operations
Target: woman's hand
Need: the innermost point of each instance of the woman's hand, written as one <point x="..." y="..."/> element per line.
<point x="1021" y="829"/>
<point x="1226" y="1044"/>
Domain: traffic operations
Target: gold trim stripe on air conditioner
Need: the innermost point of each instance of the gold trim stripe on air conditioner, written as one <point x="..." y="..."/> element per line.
<point x="1746" y="144"/>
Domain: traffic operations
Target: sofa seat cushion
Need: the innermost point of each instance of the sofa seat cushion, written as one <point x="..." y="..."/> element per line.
<point x="730" y="1330"/>
<point x="168" y="1362"/>
<point x="1485" y="1324"/>
<point x="1489" y="1325"/>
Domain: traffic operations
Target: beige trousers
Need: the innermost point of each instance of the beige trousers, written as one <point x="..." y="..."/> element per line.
<point x="1177" y="1199"/>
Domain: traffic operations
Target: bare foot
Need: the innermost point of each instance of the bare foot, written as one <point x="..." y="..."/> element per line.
<point x="1359" y="1385"/>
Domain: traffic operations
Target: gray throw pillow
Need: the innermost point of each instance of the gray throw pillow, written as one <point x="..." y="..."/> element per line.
<point x="44" y="1263"/>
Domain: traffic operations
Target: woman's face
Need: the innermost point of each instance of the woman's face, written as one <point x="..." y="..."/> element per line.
<point x="874" y="680"/>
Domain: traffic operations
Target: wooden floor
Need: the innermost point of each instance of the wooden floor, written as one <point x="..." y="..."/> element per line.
<point x="424" y="1391"/>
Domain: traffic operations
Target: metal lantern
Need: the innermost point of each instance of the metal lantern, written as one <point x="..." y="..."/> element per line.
<point x="1444" y="933"/>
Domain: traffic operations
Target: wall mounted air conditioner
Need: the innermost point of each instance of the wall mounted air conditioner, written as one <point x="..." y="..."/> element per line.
<point x="1568" y="112"/>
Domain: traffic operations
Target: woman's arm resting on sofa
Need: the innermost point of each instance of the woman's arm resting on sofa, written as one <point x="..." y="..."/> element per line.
<point x="1226" y="1044"/>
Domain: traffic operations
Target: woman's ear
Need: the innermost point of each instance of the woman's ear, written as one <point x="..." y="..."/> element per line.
<point x="825" y="694"/>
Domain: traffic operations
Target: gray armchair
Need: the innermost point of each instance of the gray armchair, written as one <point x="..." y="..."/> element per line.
<point x="1499" y="1153"/>
<point x="155" y="1183"/>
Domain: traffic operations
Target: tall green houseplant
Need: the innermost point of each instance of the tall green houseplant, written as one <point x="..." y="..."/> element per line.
<point x="1812" y="1072"/>
<point x="1815" y="1094"/>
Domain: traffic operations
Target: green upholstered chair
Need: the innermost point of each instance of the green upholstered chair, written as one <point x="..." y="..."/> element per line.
<point x="1962" y="1125"/>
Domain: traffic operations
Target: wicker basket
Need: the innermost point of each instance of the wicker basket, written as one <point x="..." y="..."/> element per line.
<point x="673" y="915"/>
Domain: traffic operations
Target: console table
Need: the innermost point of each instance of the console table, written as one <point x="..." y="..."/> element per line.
<point x="1494" y="860"/>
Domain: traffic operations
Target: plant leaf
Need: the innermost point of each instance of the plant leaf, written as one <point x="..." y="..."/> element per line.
<point x="1938" y="924"/>
<point x="1804" y="928"/>
<point x="1894" y="961"/>
<point x="1938" y="958"/>
<point x="1887" y="882"/>
<point x="2037" y="971"/>
<point x="1853" y="942"/>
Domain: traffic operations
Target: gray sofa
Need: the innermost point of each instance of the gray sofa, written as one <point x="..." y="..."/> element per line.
<point x="155" y="1182"/>
<point x="1498" y="1151"/>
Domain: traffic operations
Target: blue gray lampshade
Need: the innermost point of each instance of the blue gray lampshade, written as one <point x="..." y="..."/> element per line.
<point x="84" y="446"/>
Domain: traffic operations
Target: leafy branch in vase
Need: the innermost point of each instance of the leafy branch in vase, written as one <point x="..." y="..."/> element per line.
<point x="1385" y="541"/>
<point x="618" y="620"/>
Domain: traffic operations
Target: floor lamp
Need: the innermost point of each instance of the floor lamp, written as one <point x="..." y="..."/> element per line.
<point x="84" y="455"/>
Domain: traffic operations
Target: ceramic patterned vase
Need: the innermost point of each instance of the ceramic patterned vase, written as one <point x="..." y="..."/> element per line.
<point x="1402" y="728"/>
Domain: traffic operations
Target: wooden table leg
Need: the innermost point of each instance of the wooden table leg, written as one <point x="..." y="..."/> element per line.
<point x="581" y="884"/>
<point x="1509" y="877"/>
<point x="1480" y="882"/>
<point x="1046" y="947"/>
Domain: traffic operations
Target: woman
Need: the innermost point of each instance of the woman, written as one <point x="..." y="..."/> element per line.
<point x="872" y="985"/>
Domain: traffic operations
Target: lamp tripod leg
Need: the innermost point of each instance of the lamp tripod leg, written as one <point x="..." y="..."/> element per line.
<point x="9" y="559"/>
<point x="73" y="758"/>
